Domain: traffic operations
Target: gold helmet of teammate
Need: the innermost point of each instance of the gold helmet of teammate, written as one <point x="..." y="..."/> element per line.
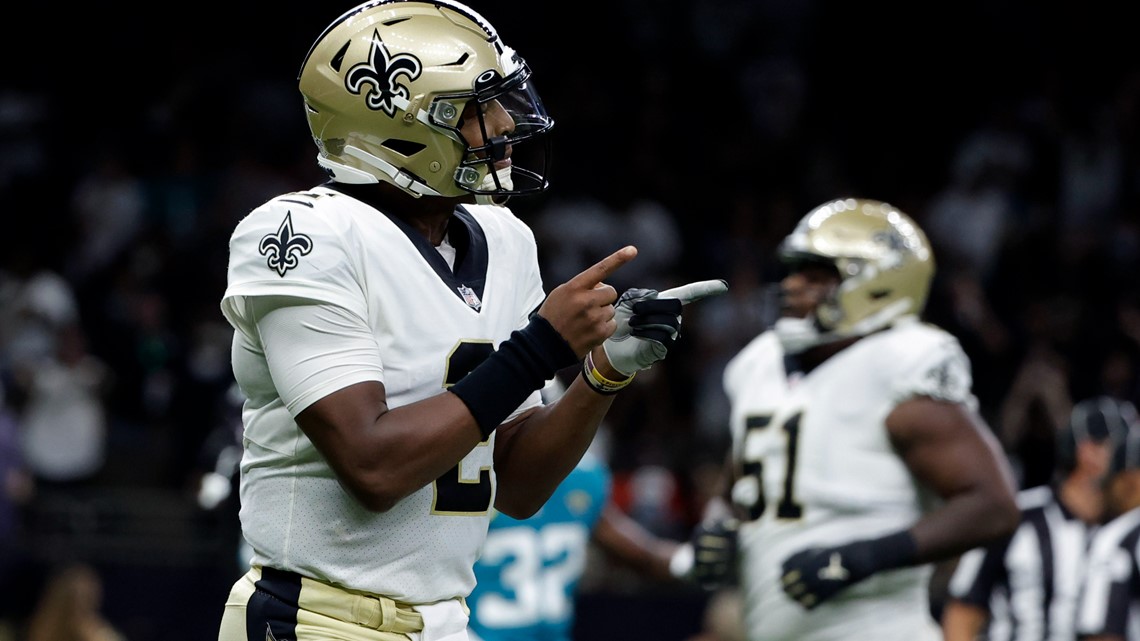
<point x="884" y="261"/>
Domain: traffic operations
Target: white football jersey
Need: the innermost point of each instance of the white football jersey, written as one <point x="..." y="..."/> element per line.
<point x="431" y="326"/>
<point x="815" y="467"/>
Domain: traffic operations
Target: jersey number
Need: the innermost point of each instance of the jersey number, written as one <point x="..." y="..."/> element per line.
<point x="453" y="495"/>
<point x="539" y="569"/>
<point x="787" y="508"/>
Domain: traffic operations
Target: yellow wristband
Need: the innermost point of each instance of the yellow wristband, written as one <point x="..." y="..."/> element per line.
<point x="597" y="381"/>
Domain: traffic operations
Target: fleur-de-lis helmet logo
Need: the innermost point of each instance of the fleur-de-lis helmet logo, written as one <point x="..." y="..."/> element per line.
<point x="284" y="249"/>
<point x="379" y="72"/>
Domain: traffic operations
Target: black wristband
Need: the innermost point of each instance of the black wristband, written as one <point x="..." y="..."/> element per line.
<point x="522" y="364"/>
<point x="884" y="553"/>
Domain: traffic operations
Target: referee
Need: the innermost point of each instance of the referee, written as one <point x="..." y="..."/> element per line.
<point x="1109" y="607"/>
<point x="1025" y="588"/>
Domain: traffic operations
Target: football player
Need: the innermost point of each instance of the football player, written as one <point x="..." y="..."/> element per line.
<point x="528" y="574"/>
<point x="392" y="333"/>
<point x="526" y="578"/>
<point x="858" y="457"/>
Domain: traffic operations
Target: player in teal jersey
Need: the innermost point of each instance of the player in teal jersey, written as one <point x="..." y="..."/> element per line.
<point x="526" y="578"/>
<point x="529" y="569"/>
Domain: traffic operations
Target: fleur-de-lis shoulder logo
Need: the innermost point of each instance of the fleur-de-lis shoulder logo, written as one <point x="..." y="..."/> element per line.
<point x="284" y="249"/>
<point x="380" y="72"/>
<point x="947" y="379"/>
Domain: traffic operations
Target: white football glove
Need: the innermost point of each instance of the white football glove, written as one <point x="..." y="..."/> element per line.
<point x="648" y="323"/>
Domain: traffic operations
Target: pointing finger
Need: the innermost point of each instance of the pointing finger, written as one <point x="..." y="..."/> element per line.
<point x="695" y="291"/>
<point x="592" y="276"/>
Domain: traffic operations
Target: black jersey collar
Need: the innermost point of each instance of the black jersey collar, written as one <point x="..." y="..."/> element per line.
<point x="469" y="276"/>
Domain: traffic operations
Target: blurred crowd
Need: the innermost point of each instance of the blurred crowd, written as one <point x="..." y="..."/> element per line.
<point x="698" y="131"/>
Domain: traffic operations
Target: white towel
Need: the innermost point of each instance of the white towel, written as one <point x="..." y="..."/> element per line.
<point x="444" y="621"/>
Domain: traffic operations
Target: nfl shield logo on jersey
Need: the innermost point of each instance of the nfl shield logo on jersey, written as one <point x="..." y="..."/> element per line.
<point x="470" y="297"/>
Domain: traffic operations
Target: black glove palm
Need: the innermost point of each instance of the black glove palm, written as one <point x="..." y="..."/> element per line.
<point x="714" y="553"/>
<point x="814" y="575"/>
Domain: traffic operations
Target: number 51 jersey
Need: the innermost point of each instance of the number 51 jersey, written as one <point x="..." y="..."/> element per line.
<point x="814" y="466"/>
<point x="424" y="325"/>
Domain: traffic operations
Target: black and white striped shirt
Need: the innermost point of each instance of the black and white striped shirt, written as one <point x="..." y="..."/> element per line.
<point x="1110" y="602"/>
<point x="1029" y="582"/>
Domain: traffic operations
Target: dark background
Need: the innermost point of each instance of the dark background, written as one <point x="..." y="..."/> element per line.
<point x="733" y="118"/>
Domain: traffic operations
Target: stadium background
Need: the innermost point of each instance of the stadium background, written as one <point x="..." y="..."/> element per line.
<point x="132" y="138"/>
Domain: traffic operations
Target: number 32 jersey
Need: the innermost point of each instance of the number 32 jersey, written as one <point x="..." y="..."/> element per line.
<point x="529" y="572"/>
<point x="419" y="325"/>
<point x="815" y="466"/>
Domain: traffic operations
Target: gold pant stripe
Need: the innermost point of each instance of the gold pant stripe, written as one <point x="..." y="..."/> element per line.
<point x="321" y="609"/>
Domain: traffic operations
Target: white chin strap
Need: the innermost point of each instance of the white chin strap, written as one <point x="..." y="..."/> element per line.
<point x="345" y="174"/>
<point x="351" y="175"/>
<point x="799" y="334"/>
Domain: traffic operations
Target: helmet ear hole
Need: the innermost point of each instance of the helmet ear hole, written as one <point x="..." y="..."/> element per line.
<point x="406" y="148"/>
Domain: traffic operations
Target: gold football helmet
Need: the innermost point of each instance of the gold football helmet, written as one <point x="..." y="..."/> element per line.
<point x="884" y="261"/>
<point x="385" y="88"/>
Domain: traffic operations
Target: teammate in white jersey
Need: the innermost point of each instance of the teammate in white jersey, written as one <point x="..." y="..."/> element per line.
<point x="392" y="334"/>
<point x="858" y="457"/>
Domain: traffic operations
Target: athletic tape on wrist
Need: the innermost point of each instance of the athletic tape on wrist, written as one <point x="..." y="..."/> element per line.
<point x="597" y="381"/>
<point x="681" y="562"/>
<point x="521" y="365"/>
